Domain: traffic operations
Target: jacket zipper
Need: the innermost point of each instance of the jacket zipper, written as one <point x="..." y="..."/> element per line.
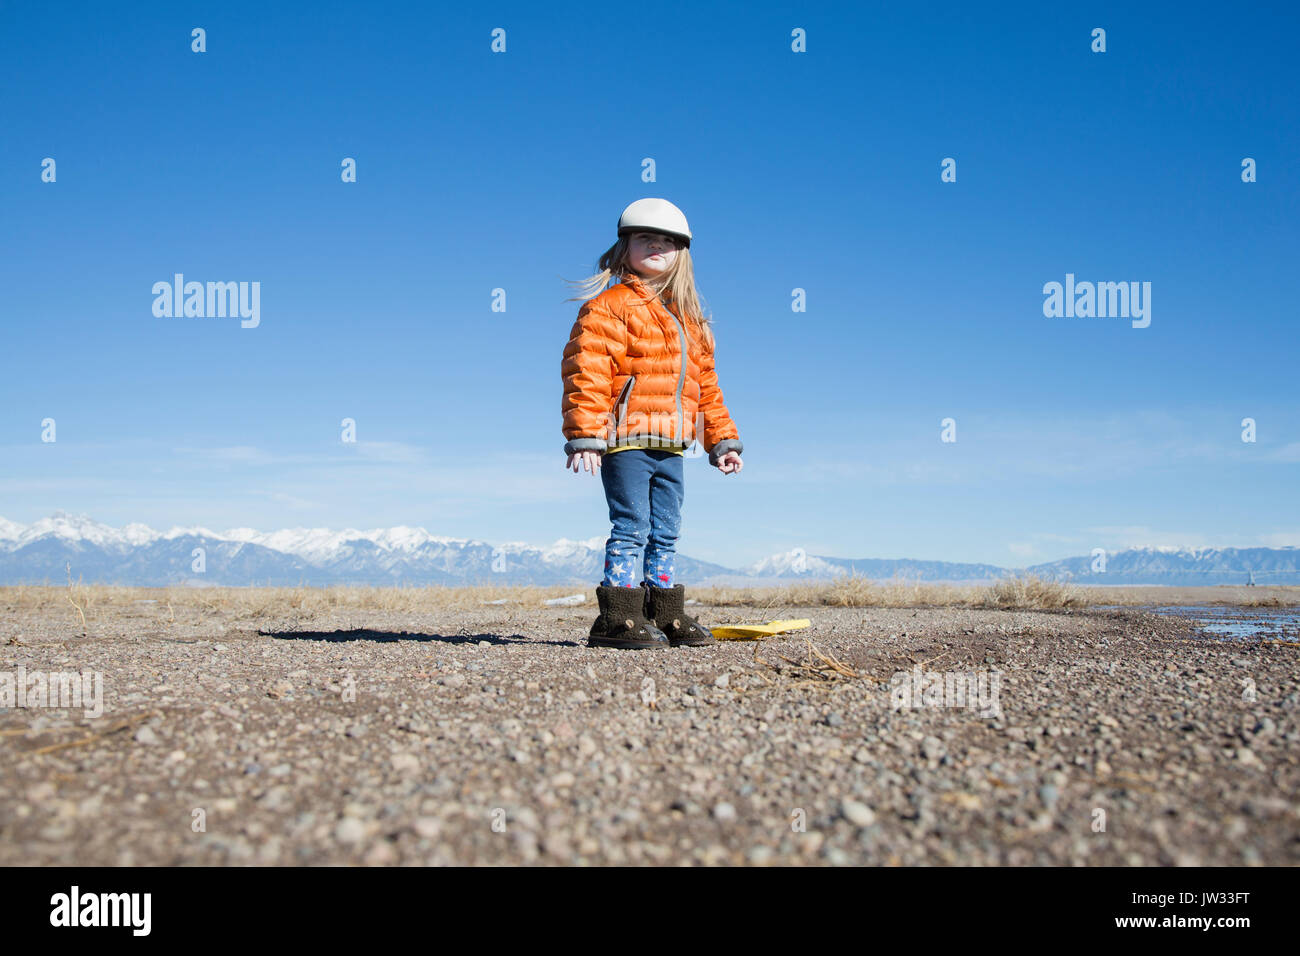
<point x="681" y="378"/>
<point x="681" y="374"/>
<point x="624" y="398"/>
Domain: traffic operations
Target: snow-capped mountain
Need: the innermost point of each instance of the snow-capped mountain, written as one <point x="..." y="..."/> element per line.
<point x="797" y="564"/>
<point x="138" y="555"/>
<point x="1181" y="566"/>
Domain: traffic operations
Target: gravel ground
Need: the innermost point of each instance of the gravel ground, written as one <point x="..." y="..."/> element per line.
<point x="492" y="735"/>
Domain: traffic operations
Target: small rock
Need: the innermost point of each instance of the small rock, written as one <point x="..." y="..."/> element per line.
<point x="724" y="812"/>
<point x="759" y="855"/>
<point x="427" y="828"/>
<point x="145" y="735"/>
<point x="406" y="763"/>
<point x="350" y="830"/>
<point x="837" y="857"/>
<point x="859" y="814"/>
<point x="1248" y="758"/>
<point x="381" y="854"/>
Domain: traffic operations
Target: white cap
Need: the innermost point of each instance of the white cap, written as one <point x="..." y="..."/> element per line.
<point x="655" y="215"/>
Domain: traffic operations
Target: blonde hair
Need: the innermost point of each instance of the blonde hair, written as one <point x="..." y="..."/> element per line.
<point x="675" y="289"/>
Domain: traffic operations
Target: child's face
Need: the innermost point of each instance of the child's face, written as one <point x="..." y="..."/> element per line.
<point x="651" y="253"/>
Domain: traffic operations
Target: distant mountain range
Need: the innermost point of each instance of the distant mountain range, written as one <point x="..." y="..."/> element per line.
<point x="138" y="555"/>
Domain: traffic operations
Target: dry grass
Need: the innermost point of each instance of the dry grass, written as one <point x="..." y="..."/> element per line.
<point x="817" y="669"/>
<point x="1033" y="592"/>
<point x="261" y="601"/>
<point x="857" y="591"/>
<point x="82" y="601"/>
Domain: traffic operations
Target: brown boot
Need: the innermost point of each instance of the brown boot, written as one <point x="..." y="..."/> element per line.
<point x="667" y="608"/>
<point x="622" y="622"/>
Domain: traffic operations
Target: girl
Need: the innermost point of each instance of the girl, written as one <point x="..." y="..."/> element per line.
<point x="639" y="387"/>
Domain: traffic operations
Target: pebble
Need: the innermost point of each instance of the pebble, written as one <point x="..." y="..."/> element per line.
<point x="759" y="855"/>
<point x="859" y="814"/>
<point x="427" y="828"/>
<point x="406" y="763"/>
<point x="350" y="830"/>
<point x="1248" y="758"/>
<point x="826" y="774"/>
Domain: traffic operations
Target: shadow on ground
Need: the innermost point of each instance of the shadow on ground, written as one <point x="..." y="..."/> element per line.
<point x="365" y="634"/>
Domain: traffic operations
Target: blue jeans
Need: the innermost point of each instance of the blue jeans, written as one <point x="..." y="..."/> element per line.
<point x="644" y="488"/>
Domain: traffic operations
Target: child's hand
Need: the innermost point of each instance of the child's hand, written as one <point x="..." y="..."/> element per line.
<point x="730" y="462"/>
<point x="584" y="459"/>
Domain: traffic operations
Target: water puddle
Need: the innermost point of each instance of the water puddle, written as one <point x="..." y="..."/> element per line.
<point x="1239" y="623"/>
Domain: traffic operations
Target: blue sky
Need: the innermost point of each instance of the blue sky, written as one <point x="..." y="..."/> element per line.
<point x="816" y="170"/>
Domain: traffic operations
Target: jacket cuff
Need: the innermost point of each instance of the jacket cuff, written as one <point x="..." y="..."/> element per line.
<point x="584" y="444"/>
<point x="724" y="446"/>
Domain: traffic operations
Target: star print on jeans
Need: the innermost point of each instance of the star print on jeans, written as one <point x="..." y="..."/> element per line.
<point x="659" y="570"/>
<point x="618" y="573"/>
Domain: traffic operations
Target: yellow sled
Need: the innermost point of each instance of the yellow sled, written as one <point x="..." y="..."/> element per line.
<point x="756" y="632"/>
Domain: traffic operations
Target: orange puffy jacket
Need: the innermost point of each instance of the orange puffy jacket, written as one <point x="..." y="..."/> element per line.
<point x="635" y="374"/>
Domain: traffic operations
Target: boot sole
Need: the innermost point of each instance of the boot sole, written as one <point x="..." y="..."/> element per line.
<point x="624" y="645"/>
